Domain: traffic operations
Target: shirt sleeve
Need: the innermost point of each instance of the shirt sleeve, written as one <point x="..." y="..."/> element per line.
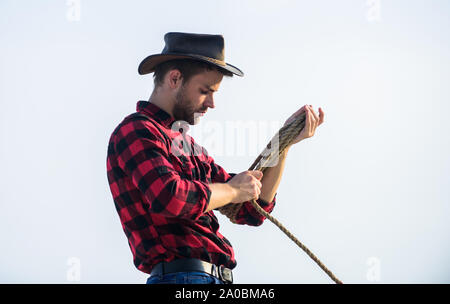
<point x="143" y="155"/>
<point x="247" y="215"/>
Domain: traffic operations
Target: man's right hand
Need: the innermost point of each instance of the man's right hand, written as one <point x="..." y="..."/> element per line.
<point x="241" y="188"/>
<point x="247" y="186"/>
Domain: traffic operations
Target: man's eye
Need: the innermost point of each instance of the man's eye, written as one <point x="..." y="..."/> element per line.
<point x="204" y="92"/>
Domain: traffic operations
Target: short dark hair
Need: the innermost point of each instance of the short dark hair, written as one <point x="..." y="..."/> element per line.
<point x="187" y="67"/>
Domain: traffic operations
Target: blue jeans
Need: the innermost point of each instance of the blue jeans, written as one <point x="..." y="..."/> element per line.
<point x="191" y="277"/>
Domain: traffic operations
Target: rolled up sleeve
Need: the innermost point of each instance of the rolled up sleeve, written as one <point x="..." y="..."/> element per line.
<point x="248" y="215"/>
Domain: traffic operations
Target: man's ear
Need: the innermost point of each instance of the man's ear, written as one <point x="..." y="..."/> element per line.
<point x="174" y="79"/>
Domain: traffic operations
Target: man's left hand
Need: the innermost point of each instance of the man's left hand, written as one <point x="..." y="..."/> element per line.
<point x="312" y="122"/>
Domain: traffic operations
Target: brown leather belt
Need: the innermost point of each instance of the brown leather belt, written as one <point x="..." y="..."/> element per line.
<point x="184" y="265"/>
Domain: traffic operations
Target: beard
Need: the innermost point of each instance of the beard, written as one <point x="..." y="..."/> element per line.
<point x="184" y="109"/>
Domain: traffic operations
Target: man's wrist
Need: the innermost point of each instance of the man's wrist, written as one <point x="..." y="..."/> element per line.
<point x="233" y="192"/>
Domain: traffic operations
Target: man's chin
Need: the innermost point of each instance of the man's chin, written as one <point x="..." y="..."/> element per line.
<point x="193" y="119"/>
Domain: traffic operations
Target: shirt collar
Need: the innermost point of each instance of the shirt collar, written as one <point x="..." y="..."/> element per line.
<point x="152" y="110"/>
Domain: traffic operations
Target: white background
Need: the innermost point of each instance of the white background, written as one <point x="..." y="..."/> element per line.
<point x="368" y="194"/>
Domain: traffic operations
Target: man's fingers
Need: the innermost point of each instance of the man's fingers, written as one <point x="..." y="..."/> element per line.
<point x="256" y="173"/>
<point x="316" y="118"/>
<point x="259" y="184"/>
<point x="321" y="116"/>
<point x="307" y="126"/>
<point x="319" y="119"/>
<point x="311" y="123"/>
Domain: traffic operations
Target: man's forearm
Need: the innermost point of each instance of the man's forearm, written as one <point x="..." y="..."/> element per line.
<point x="221" y="194"/>
<point x="272" y="178"/>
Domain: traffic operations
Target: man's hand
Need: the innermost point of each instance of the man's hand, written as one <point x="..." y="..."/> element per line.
<point x="247" y="186"/>
<point x="312" y="122"/>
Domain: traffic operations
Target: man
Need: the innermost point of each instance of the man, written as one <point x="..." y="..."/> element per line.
<point x="165" y="186"/>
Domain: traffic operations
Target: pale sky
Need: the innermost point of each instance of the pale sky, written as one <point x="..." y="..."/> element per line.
<point x="368" y="194"/>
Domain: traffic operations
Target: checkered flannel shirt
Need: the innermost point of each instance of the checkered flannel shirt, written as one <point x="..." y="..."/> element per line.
<point x="161" y="192"/>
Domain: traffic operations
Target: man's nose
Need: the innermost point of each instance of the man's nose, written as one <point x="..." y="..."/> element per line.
<point x="209" y="102"/>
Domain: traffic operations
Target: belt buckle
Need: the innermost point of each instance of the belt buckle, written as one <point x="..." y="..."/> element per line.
<point x="225" y="274"/>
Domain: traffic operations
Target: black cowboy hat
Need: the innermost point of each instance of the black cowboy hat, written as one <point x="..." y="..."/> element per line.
<point x="203" y="47"/>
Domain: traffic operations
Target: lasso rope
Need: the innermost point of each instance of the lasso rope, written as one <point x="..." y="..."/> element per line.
<point x="281" y="140"/>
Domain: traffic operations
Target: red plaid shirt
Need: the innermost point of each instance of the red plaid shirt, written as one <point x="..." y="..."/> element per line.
<point x="161" y="193"/>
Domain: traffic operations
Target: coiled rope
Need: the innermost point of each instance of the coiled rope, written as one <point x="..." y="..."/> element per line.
<point x="273" y="150"/>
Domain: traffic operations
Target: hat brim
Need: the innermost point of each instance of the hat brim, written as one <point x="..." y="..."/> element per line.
<point x="148" y="64"/>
